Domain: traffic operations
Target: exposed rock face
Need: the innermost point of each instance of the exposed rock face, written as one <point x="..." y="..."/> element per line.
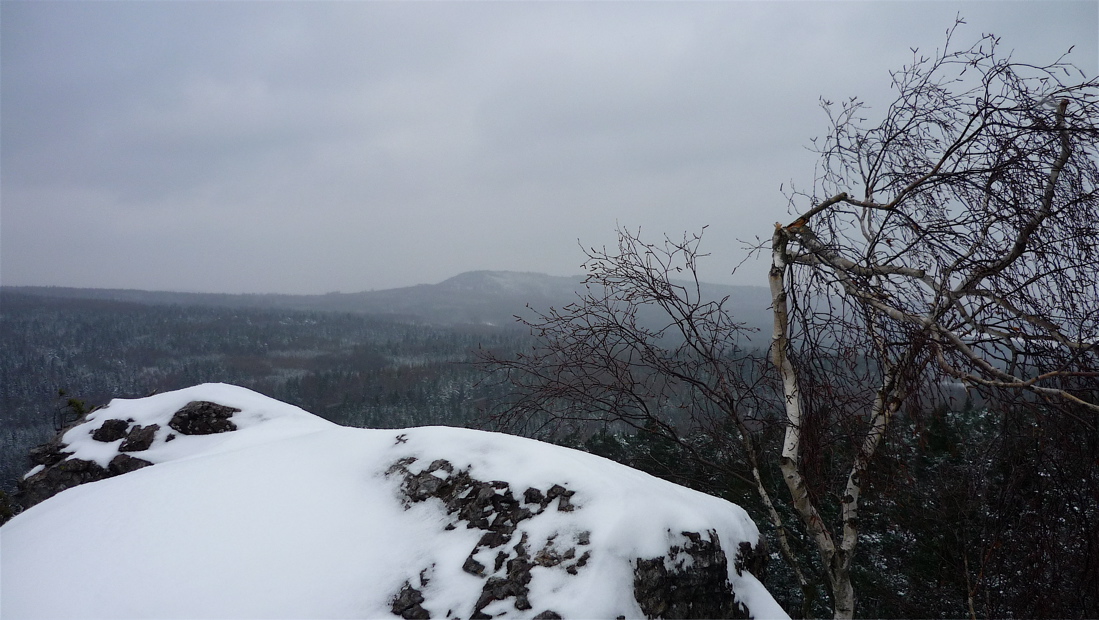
<point x="49" y="453"/>
<point x="407" y="604"/>
<point x="491" y="506"/>
<point x="59" y="472"/>
<point x="139" y="438"/>
<point x="54" y="479"/>
<point x="111" y="430"/>
<point x="527" y="546"/>
<point x="124" y="464"/>
<point x="202" y="417"/>
<point x="690" y="581"/>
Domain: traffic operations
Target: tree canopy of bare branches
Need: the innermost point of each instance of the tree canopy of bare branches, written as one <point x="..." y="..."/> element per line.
<point x="641" y="347"/>
<point x="955" y="241"/>
<point x="951" y="246"/>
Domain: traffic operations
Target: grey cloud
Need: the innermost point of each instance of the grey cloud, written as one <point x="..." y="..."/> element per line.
<point x="323" y="146"/>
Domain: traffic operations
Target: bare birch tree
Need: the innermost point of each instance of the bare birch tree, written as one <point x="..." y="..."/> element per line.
<point x="954" y="244"/>
<point x="645" y="348"/>
<point x="954" y="241"/>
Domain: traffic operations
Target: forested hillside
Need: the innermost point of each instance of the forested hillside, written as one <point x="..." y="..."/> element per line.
<point x="352" y="369"/>
<point x="471" y="298"/>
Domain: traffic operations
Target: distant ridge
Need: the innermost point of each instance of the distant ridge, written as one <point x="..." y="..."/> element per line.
<point x="473" y="297"/>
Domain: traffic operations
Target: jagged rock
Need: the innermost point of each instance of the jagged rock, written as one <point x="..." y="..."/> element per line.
<point x="139" y="438"/>
<point x="564" y="503"/>
<point x="111" y="430"/>
<point x="533" y="496"/>
<point x="7" y="511"/>
<point x="473" y="567"/>
<point x="491" y="506"/>
<point x="52" y="480"/>
<point x="752" y="559"/>
<point x="59" y="472"/>
<point x="124" y="464"/>
<point x="407" y="604"/>
<point x="497" y="539"/>
<point x="202" y="417"/>
<point x="691" y="581"/>
<point x="49" y="453"/>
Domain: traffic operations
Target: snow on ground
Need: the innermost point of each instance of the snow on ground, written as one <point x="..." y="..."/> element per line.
<point x="291" y="516"/>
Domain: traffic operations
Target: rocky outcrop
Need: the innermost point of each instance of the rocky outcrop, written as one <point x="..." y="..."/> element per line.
<point x="203" y="417"/>
<point x="139" y="438"/>
<point x="54" y="469"/>
<point x="505" y="554"/>
<point x="64" y="474"/>
<point x="492" y="526"/>
<point x="407" y="603"/>
<point x="111" y="430"/>
<point x="690" y="581"/>
<point x="124" y="464"/>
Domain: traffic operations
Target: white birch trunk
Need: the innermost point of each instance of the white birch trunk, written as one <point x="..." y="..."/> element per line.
<point x="836" y="565"/>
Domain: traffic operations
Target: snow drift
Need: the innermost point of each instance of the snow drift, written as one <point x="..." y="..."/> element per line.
<point x="278" y="514"/>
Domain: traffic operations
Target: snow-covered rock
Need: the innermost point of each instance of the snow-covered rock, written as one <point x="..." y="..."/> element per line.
<point x="275" y="513"/>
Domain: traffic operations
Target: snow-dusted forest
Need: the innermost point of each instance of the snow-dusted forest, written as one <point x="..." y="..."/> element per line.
<point x="352" y="369"/>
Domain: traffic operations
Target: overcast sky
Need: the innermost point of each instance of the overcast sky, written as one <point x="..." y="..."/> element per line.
<point x="307" y="147"/>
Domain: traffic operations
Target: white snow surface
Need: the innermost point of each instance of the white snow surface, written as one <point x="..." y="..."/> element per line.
<point x="291" y="516"/>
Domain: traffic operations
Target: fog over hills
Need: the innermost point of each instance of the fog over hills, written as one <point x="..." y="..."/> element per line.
<point x="477" y="297"/>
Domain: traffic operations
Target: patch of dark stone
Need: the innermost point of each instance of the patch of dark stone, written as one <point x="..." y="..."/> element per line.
<point x="202" y="417"/>
<point x="696" y="585"/>
<point x="407" y="604"/>
<point x="491" y="506"/>
<point x="111" y="430"/>
<point x="61" y="472"/>
<point x="67" y="473"/>
<point x="49" y="453"/>
<point x="124" y="464"/>
<point x="139" y="438"/>
<point x="752" y="558"/>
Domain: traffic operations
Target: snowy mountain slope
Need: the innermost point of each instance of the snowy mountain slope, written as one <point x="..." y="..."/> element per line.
<point x="290" y="516"/>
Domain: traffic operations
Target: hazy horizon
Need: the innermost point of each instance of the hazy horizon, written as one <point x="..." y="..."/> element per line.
<point x="201" y="292"/>
<point x="304" y="148"/>
<point x="399" y="286"/>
